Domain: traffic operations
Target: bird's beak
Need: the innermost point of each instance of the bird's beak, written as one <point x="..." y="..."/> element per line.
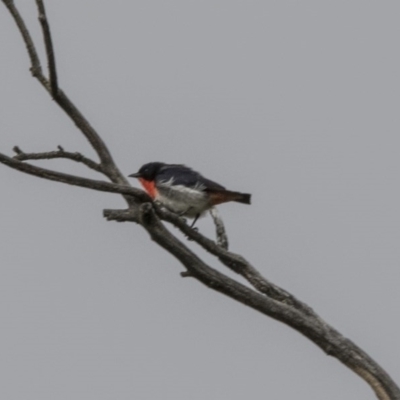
<point x="135" y="175"/>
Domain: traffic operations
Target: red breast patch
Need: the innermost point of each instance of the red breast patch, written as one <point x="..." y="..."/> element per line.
<point x="150" y="187"/>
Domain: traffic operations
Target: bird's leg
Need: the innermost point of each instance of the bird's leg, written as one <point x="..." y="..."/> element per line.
<point x="195" y="220"/>
<point x="182" y="213"/>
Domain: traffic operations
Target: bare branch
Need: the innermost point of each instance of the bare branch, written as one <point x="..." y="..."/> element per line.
<point x="323" y="335"/>
<point x="60" y="153"/>
<point x="234" y="261"/>
<point x="49" y="48"/>
<point x="36" y="68"/>
<point x="110" y="168"/>
<point x="73" y="180"/>
<point x="222" y="237"/>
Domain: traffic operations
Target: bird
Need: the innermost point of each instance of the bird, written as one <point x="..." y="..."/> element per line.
<point x="184" y="191"/>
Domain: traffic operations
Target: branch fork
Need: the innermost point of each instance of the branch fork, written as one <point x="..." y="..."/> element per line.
<point x="60" y="153"/>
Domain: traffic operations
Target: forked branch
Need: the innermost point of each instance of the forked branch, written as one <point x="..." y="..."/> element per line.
<point x="110" y="168"/>
<point x="60" y="153"/>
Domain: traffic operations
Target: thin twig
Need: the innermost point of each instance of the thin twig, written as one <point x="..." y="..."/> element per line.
<point x="49" y="48"/>
<point x="60" y="153"/>
<point x="110" y="168"/>
<point x="73" y="180"/>
<point x="36" y="68"/>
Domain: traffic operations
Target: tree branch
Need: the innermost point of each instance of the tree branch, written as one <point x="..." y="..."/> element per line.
<point x="73" y="180"/>
<point x="222" y="237"/>
<point x="110" y="168"/>
<point x="49" y="48"/>
<point x="234" y="261"/>
<point x="36" y="68"/>
<point x="323" y="335"/>
<point x="266" y="297"/>
<point x="60" y="153"/>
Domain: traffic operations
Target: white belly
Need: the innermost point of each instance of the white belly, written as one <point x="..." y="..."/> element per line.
<point x="182" y="200"/>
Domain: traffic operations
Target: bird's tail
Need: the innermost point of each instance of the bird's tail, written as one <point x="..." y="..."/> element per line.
<point x="223" y="196"/>
<point x="241" y="197"/>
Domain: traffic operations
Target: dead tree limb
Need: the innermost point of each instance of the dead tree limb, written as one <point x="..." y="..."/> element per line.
<point x="60" y="153"/>
<point x="263" y="295"/>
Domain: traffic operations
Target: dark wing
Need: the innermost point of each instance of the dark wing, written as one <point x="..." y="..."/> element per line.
<point x="210" y="186"/>
<point x="182" y="175"/>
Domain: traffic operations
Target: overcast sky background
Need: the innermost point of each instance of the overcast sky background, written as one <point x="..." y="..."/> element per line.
<point x="294" y="102"/>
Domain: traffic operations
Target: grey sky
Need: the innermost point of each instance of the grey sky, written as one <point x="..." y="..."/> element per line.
<point x="295" y="102"/>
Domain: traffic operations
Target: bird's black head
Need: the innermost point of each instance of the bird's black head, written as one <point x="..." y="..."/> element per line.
<point x="148" y="171"/>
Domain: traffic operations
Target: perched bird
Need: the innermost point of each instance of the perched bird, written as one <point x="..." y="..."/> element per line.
<point x="184" y="191"/>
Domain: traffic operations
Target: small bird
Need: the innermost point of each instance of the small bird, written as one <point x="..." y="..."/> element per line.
<point x="183" y="190"/>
